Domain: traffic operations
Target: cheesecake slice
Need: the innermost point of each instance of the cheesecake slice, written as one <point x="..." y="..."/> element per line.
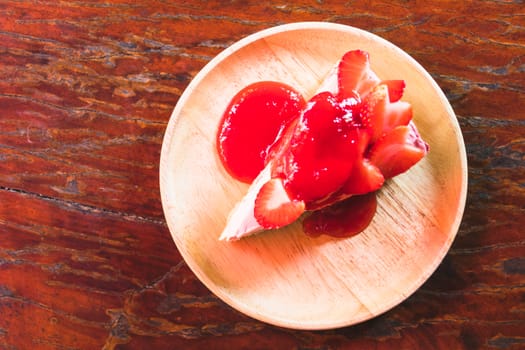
<point x="324" y="157"/>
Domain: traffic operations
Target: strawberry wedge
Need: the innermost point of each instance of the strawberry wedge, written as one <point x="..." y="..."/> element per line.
<point x="351" y="137"/>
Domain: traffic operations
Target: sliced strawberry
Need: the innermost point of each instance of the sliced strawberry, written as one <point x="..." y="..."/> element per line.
<point x="398" y="150"/>
<point x="365" y="176"/>
<point x="354" y="75"/>
<point x="395" y="89"/>
<point x="273" y="206"/>
<point x="380" y="115"/>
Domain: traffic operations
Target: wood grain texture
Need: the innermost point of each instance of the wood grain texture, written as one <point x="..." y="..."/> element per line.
<point x="87" y="88"/>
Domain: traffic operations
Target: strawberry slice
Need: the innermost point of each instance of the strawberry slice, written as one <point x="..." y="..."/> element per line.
<point x="380" y="115"/>
<point x="398" y="150"/>
<point x="354" y="75"/>
<point x="365" y="176"/>
<point x="395" y="89"/>
<point x="273" y="206"/>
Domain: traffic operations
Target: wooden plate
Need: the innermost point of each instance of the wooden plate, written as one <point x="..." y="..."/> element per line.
<point x="284" y="277"/>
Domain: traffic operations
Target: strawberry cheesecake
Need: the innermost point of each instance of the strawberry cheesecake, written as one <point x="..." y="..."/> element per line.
<point x="326" y="157"/>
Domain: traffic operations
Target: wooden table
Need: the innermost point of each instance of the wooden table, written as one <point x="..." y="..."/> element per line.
<point x="86" y="91"/>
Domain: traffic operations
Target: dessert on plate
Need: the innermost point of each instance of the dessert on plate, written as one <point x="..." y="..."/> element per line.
<point x="326" y="156"/>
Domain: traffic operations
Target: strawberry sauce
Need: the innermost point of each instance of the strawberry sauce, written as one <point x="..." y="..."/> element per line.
<point x="253" y="121"/>
<point x="342" y="219"/>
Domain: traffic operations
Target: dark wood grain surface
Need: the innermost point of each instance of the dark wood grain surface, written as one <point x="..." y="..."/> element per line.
<point x="86" y="91"/>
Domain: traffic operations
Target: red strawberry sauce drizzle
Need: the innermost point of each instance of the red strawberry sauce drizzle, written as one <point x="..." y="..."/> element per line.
<point x="254" y="120"/>
<point x="342" y="219"/>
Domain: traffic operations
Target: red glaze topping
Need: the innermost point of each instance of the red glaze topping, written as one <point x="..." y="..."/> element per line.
<point x="252" y="122"/>
<point x="322" y="150"/>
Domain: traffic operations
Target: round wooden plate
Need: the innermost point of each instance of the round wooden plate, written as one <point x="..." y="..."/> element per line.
<point x="283" y="277"/>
